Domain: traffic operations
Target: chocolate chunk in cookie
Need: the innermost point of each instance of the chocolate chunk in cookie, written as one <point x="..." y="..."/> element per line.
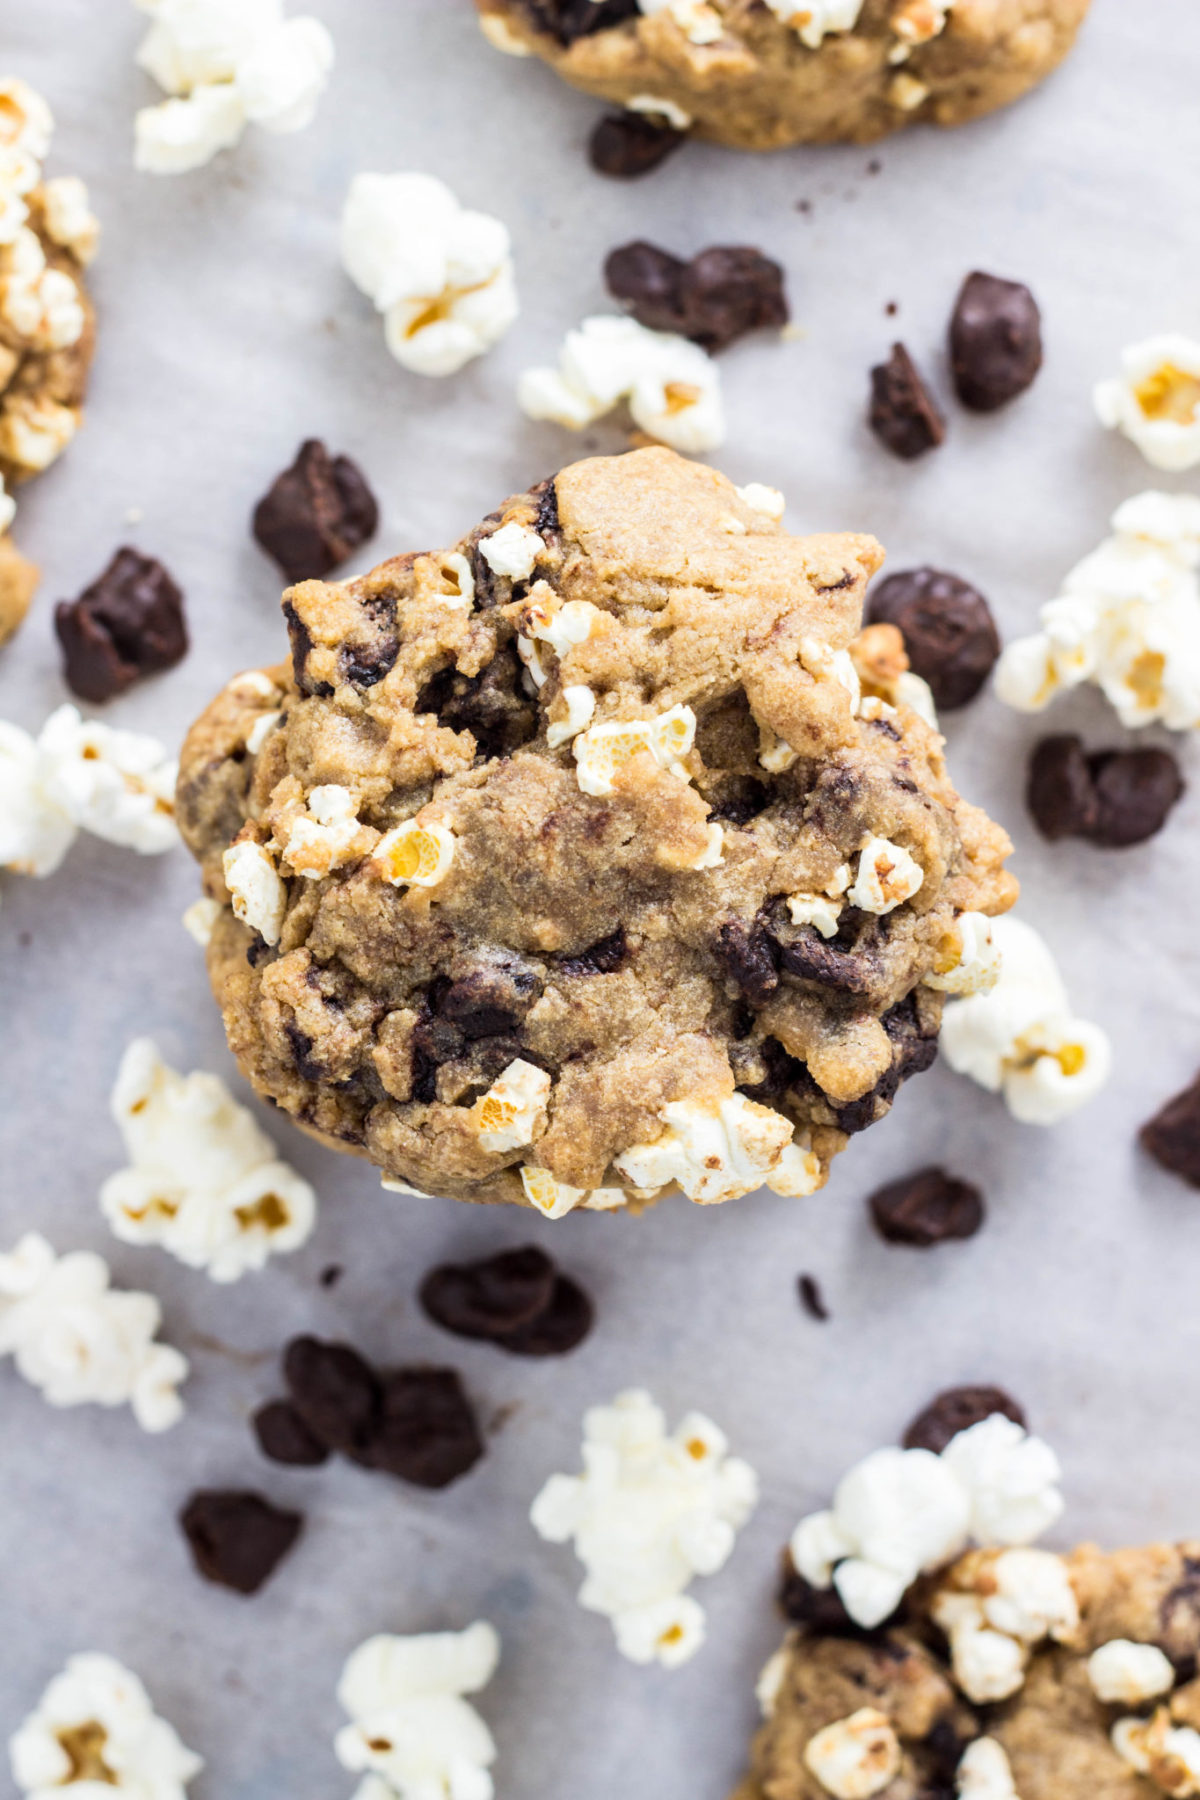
<point x="1113" y="798"/>
<point x="949" y="633"/>
<point x="315" y="514"/>
<point x="995" y="342"/>
<point x="1172" y="1136"/>
<point x="955" y="1410"/>
<point x="749" y="955"/>
<point x="517" y="1300"/>
<point x="334" y="1390"/>
<point x="817" y="1609"/>
<point x="904" y="415"/>
<point x="716" y="298"/>
<point x="238" y="1539"/>
<point x="570" y="20"/>
<point x="627" y="144"/>
<point x="427" y="1432"/>
<point x="128" y="623"/>
<point x="285" y="1438"/>
<point x="927" y="1208"/>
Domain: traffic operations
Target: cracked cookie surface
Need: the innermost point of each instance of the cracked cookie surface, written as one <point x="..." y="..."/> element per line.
<point x="746" y="77"/>
<point x="519" y="838"/>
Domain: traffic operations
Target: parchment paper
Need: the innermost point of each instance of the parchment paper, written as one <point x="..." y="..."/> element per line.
<point x="228" y="333"/>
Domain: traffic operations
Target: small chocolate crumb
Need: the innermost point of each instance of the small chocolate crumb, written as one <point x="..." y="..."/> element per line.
<point x="995" y="341"/>
<point x="903" y="414"/>
<point x="874" y="167"/>
<point x="285" y="1438"/>
<point x="127" y="624"/>
<point x="428" y="1433"/>
<point x="1172" y="1136"/>
<point x="331" y="1275"/>
<point x="716" y="298"/>
<point x="315" y="514"/>
<point x="627" y="144"/>
<point x="811" y="1298"/>
<point x="333" y="1389"/>
<point x="956" y="1410"/>
<point x="517" y="1300"/>
<point x="892" y="308"/>
<point x="949" y="633"/>
<point x="927" y="1208"/>
<point x="238" y="1540"/>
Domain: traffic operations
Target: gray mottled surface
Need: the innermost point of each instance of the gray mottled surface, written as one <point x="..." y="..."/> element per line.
<point x="228" y="332"/>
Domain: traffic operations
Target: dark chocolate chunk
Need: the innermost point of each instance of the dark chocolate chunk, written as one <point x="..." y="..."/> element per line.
<point x="334" y="1390"/>
<point x="956" y="1410"/>
<point x="716" y="298"/>
<point x="128" y="623"/>
<point x="1113" y="798"/>
<point x="238" y="1539"/>
<point x="809" y="956"/>
<point x="947" y="627"/>
<point x="749" y="956"/>
<point x="1172" y="1136"/>
<point x="427" y="1432"/>
<point x="628" y="144"/>
<point x="811" y="1298"/>
<point x="315" y="514"/>
<point x="903" y="414"/>
<point x="1180" y="1615"/>
<point x="1059" y="790"/>
<point x="492" y="705"/>
<point x="517" y="1300"/>
<point x="995" y="341"/>
<point x="285" y="1438"/>
<point x="546" y="495"/>
<point x="572" y="19"/>
<point x="492" y="997"/>
<point x="820" y="1610"/>
<point x="927" y="1208"/>
<point x="736" y="799"/>
<point x="559" y="1328"/>
<point x="602" y="958"/>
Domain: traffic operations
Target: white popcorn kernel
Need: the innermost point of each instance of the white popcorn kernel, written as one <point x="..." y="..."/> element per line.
<point x="553" y="1199"/>
<point x="1168" y="1754"/>
<point x="887" y="876"/>
<point x="714" y="1151"/>
<point x="118" y="785"/>
<point x="647" y="1514"/>
<point x="179" y="135"/>
<point x="327" y="837"/>
<point x="256" y="889"/>
<point x="26" y="122"/>
<point x="672" y="386"/>
<point x="656" y="106"/>
<point x="1012" y="1479"/>
<point x="513" y="551"/>
<point x="199" y="920"/>
<point x="814" y="19"/>
<point x="35" y="430"/>
<point x="69" y="218"/>
<point x="988" y="1665"/>
<point x="204" y="1182"/>
<point x="391" y="1185"/>
<point x="774" y="754"/>
<point x="415" y="855"/>
<point x="695" y="18"/>
<point x="1123" y="1673"/>
<point x="261" y="730"/>
<point x="798" y="1172"/>
<point x="442" y="276"/>
<point x="761" y="499"/>
<point x="43" y="306"/>
<point x="713" y="853"/>
<point x="95" y="1731"/>
<point x="581" y="706"/>
<point x="855" y="1757"/>
<point x="984" y="1772"/>
<point x="824" y="664"/>
<point x="35" y="834"/>
<point x="82" y="1342"/>
<point x="769" y="1685"/>
<point x="282" y="79"/>
<point x="1016" y="1599"/>
<point x="412" y="1732"/>
<point x="1033" y="1597"/>
<point x="1155" y="400"/>
<point x="822" y="910"/>
<point x="1021" y="1039"/>
<point x="604" y="750"/>
<point x="509" y="1115"/>
<point x="976" y="965"/>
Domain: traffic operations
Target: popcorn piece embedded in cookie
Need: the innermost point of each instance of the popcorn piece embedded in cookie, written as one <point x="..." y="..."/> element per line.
<point x="413" y="1734"/>
<point x="1168" y="1754"/>
<point x="256" y="888"/>
<point x="199" y="920"/>
<point x="1128" y="1674"/>
<point x="327" y="836"/>
<point x="441" y="276"/>
<point x="672" y="386"/>
<point x="82" y="1342"/>
<point x="919" y="21"/>
<point x="888" y="875"/>
<point x="762" y="499"/>
<point x="204" y="1182"/>
<point x="510" y="1114"/>
<point x="974" y="960"/>
<point x="605" y="750"/>
<point x="580" y="703"/>
<point x="697" y="20"/>
<point x="995" y="1608"/>
<point x="1021" y="1038"/>
<point x="647" y="1514"/>
<point x="813" y="20"/>
<point x="985" y="1772"/>
<point x="514" y="551"/>
<point x="715" y="1152"/>
<point x="555" y="1199"/>
<point x="1155" y="400"/>
<point x="414" y="854"/>
<point x="95" y="1731"/>
<point x="68" y="217"/>
<point x="855" y="1757"/>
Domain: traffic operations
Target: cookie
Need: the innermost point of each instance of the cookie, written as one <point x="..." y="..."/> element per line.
<point x="578" y="862"/>
<point x="760" y="76"/>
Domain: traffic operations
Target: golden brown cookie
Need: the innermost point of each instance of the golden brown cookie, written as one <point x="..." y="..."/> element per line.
<point x="760" y="74"/>
<point x="579" y="861"/>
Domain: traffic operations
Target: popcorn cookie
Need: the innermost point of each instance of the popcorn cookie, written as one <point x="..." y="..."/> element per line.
<point x="580" y="862"/>
<point x="759" y="76"/>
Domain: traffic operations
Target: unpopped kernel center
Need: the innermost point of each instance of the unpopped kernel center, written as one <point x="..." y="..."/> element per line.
<point x="84" y="1746"/>
<point x="1170" y="394"/>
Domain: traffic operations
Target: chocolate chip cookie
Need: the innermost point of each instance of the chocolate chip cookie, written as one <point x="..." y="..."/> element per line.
<point x="760" y="74"/>
<point x="581" y="861"/>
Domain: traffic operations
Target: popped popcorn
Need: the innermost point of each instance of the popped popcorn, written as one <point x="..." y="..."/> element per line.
<point x="1128" y="619"/>
<point x="580" y="703"/>
<point x="555" y="1199"/>
<point x="226" y="64"/>
<point x="695" y="18"/>
<point x="95" y="1732"/>
<point x="514" y="1107"/>
<point x="887" y="876"/>
<point x="856" y="1757"/>
<point x="204" y="1182"/>
<point x="657" y="106"/>
<point x="996" y="1608"/>
<point x="442" y="276"/>
<point x="1128" y="1674"/>
<point x="1155" y="400"/>
<point x="256" y="888"/>
<point x="814" y="19"/>
<point x="513" y="551"/>
<point x="1169" y="1754"/>
<point x="81" y="775"/>
<point x="1021" y="1039"/>
<point x="327" y="836"/>
<point x="985" y="1773"/>
<point x="672" y="386"/>
<point x="974" y="958"/>
<point x="720" y="1151"/>
<point x="762" y="499"/>
<point x="414" y="854"/>
<point x="1011" y="1477"/>
<point x="199" y="920"/>
<point x="82" y="1342"/>
<point x="918" y="21"/>
<point x="412" y="1731"/>
<point x="604" y="750"/>
<point x="648" y="1512"/>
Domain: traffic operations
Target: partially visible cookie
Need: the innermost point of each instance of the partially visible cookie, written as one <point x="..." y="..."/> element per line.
<point x="760" y="74"/>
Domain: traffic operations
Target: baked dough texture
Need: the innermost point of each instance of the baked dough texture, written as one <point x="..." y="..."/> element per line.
<point x="594" y="937"/>
<point x="758" y="86"/>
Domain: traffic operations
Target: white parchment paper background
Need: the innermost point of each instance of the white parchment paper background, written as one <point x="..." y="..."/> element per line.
<point x="228" y="333"/>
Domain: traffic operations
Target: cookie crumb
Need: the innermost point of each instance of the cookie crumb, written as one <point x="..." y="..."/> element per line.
<point x="331" y="1275"/>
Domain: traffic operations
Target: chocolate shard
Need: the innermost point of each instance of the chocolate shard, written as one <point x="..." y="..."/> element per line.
<point x="625" y="145"/>
<point x="995" y="341"/>
<point x="955" y="1410"/>
<point x="427" y="1432"/>
<point x="926" y="1208"/>
<point x="285" y="1438"/>
<point x="334" y="1390"/>
<point x="1172" y="1136"/>
<point x="315" y="514"/>
<point x="238" y="1539"/>
<point x="128" y="623"/>
<point x="903" y="414"/>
